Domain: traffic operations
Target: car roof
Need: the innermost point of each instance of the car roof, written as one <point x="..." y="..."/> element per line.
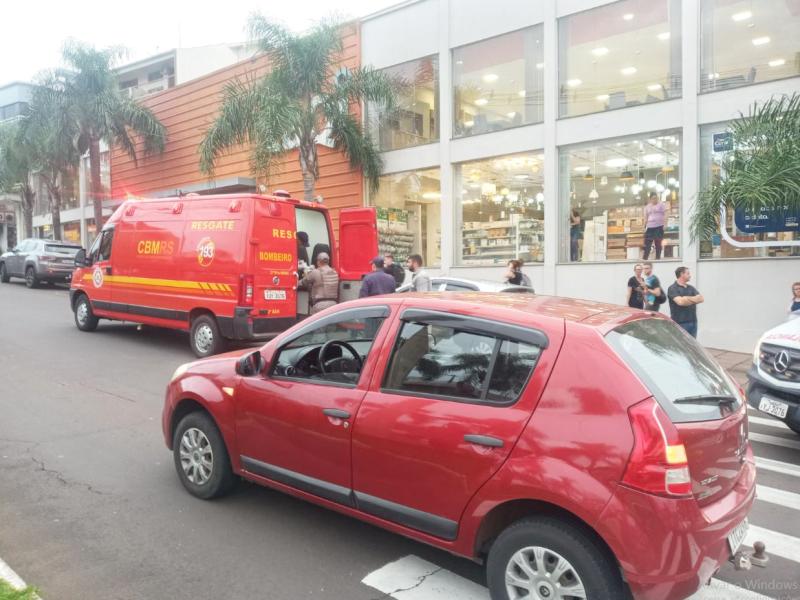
<point x="484" y="284"/>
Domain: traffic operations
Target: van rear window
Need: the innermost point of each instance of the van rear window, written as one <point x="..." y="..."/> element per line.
<point x="59" y="249"/>
<point x="687" y="383"/>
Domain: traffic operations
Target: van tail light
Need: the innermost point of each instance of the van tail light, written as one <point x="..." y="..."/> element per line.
<point x="246" y="290"/>
<point x="657" y="464"/>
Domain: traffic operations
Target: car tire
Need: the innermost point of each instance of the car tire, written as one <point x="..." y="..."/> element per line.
<point x="518" y="550"/>
<point x="31" y="281"/>
<point x="205" y="337"/>
<point x="201" y="458"/>
<point x="4" y="276"/>
<point x="85" y="319"/>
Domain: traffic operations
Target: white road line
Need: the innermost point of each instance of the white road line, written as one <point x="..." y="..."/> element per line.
<point x="780" y="497"/>
<point x="10" y="576"/>
<point x="774" y="440"/>
<point x="768" y="422"/>
<point x="777" y="543"/>
<point x="412" y="578"/>
<point x="777" y="466"/>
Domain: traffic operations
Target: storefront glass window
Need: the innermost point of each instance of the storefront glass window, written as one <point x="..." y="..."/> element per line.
<point x="500" y="210"/>
<point x="745" y="42"/>
<point x="410" y="214"/>
<point x="715" y="144"/>
<point x="623" y="54"/>
<point x="621" y="199"/>
<point x="497" y="83"/>
<point x="415" y="119"/>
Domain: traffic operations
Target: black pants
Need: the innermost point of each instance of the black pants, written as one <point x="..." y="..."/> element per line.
<point x="653" y="236"/>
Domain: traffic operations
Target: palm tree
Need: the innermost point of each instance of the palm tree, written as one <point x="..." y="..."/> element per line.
<point x="98" y="110"/>
<point x="762" y="171"/>
<point x="301" y="99"/>
<point x="16" y="170"/>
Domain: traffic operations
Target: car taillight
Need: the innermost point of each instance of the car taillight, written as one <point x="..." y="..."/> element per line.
<point x="246" y="290"/>
<point x="657" y="464"/>
<point x="47" y="258"/>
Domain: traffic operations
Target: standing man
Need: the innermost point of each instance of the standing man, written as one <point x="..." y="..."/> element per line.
<point x="683" y="301"/>
<point x="654" y="213"/>
<point x="653" y="294"/>
<point x="323" y="283"/>
<point x="378" y="282"/>
<point x="393" y="269"/>
<point x="419" y="278"/>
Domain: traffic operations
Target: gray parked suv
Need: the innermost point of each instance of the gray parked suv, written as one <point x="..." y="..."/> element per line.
<point x="39" y="260"/>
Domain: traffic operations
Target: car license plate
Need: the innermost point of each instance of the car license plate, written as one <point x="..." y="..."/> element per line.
<point x="773" y="407"/>
<point x="736" y="537"/>
<point x="274" y="294"/>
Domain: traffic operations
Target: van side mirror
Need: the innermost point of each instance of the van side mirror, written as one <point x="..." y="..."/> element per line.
<point x="80" y="258"/>
<point x="250" y="364"/>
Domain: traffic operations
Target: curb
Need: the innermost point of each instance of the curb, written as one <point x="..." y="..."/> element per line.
<point x="10" y="576"/>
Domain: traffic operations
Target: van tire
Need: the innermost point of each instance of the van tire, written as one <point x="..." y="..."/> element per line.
<point x="4" y="276"/>
<point x="205" y="338"/>
<point x="588" y="561"/>
<point x="85" y="319"/>
<point x="31" y="280"/>
<point x="208" y="446"/>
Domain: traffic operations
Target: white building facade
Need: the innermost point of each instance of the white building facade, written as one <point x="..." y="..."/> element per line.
<point x="518" y="116"/>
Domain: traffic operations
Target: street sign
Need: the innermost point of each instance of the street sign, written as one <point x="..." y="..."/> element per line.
<point x="767" y="220"/>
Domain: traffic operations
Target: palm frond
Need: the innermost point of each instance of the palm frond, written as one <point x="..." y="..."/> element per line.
<point x="347" y="136"/>
<point x="144" y="123"/>
<point x="366" y="84"/>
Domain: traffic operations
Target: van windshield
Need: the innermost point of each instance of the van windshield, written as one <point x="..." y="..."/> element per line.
<point x="314" y="224"/>
<point x="687" y="383"/>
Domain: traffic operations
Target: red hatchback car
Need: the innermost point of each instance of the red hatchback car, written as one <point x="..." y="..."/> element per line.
<point x="581" y="450"/>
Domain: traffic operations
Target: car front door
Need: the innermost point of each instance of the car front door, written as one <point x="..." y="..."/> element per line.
<point x="456" y="394"/>
<point x="16" y="263"/>
<point x="101" y="274"/>
<point x="293" y="425"/>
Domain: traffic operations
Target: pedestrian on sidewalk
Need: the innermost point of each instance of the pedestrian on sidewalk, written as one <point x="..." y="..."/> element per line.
<point x="654" y="295"/>
<point x="394" y="269"/>
<point x="654" y="213"/>
<point x="683" y="301"/>
<point x="378" y="282"/>
<point x="794" y="307"/>
<point x="323" y="283"/>
<point x="635" y="297"/>
<point x="420" y="280"/>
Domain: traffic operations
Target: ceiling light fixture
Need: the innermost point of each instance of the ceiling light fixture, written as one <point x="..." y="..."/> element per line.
<point x="521" y="93"/>
<point x="626" y="176"/>
<point x="761" y="41"/>
<point x="602" y="97"/>
<point x="663" y="36"/>
<point x="593" y="195"/>
<point x="778" y="62"/>
<point x="432" y="195"/>
<point x="628" y="70"/>
<point x="469" y="123"/>
<point x="574" y="82"/>
<point x="481" y="102"/>
<point x="540" y="66"/>
<point x="600" y="51"/>
<point x="511" y="114"/>
<point x="582" y="169"/>
<point x="490" y="77"/>
<point x="616" y="163"/>
<point x="741" y="16"/>
<point x="588" y="176"/>
<point x="654" y="87"/>
<point x="628" y="17"/>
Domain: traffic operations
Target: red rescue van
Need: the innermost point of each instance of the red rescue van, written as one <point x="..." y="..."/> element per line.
<point x="221" y="267"/>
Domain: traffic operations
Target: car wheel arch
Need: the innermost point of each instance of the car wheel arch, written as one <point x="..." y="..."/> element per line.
<point x="78" y="295"/>
<point x="186" y="406"/>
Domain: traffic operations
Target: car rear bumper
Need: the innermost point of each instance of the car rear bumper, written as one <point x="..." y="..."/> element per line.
<point x="758" y="387"/>
<point x="668" y="548"/>
<point x="54" y="273"/>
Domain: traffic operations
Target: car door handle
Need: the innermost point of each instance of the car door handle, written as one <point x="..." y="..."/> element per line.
<point x="336" y="413"/>
<point x="483" y="440"/>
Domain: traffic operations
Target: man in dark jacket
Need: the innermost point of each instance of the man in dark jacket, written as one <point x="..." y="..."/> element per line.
<point x="395" y="270"/>
<point x="378" y="282"/>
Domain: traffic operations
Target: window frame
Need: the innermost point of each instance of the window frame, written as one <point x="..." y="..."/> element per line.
<point x="380" y="311"/>
<point x="500" y="332"/>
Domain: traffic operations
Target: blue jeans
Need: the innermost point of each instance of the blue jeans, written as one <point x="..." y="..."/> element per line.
<point x="689" y="327"/>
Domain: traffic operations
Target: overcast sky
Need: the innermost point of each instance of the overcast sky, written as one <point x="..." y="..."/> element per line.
<point x="34" y="30"/>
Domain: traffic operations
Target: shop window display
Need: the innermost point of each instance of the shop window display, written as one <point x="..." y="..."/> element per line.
<point x="606" y="188"/>
<point x="409" y="215"/>
<point x="715" y="144"/>
<point x="501" y="210"/>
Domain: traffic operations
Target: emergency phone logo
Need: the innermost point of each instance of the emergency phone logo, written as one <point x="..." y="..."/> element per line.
<point x="205" y="251"/>
<point x="97" y="277"/>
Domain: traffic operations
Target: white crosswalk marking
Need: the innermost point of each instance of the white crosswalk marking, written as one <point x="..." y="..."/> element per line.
<point x="775" y="440"/>
<point x="777" y="543"/>
<point x="779" y="497"/>
<point x="768" y="422"/>
<point x="777" y="466"/>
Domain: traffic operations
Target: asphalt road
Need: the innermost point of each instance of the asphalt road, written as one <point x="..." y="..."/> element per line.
<point x="91" y="508"/>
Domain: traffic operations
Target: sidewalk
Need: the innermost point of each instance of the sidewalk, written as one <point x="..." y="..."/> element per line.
<point x="737" y="363"/>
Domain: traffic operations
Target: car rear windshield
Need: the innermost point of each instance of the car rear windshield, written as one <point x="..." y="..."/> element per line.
<point x="61" y="249"/>
<point x="687" y="383"/>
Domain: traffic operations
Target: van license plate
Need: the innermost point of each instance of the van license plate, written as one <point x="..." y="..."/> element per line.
<point x="736" y="537"/>
<point x="773" y="407"/>
<point x="274" y="294"/>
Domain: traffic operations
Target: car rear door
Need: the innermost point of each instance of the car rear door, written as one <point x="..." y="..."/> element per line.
<point x="455" y="394"/>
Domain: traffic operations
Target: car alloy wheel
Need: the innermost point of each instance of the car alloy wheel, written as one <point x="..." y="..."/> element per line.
<point x="197" y="457"/>
<point x="542" y="574"/>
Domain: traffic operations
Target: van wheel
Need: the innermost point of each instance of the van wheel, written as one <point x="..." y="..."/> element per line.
<point x="204" y="337"/>
<point x="545" y="557"/>
<point x="31" y="281"/>
<point x="4" y="276"/>
<point x="84" y="317"/>
<point x="201" y="458"/>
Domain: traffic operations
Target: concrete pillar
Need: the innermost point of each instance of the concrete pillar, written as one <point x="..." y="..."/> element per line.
<point x="552" y="214"/>
<point x="448" y="206"/>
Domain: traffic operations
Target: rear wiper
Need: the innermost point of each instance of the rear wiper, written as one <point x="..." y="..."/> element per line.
<point x="707" y="399"/>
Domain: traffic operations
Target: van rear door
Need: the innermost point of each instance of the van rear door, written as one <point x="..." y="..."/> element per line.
<point x="358" y="242"/>
<point x="274" y="259"/>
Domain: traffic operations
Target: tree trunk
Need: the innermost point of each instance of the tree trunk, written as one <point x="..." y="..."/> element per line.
<point x="28" y="196"/>
<point x="96" y="185"/>
<point x="308" y="167"/>
<point x="55" y="209"/>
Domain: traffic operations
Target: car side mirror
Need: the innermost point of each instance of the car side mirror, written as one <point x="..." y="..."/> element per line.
<point x="250" y="364"/>
<point x="80" y="258"/>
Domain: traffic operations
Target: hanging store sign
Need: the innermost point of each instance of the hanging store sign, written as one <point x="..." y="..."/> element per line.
<point x="723" y="142"/>
<point x="767" y="220"/>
